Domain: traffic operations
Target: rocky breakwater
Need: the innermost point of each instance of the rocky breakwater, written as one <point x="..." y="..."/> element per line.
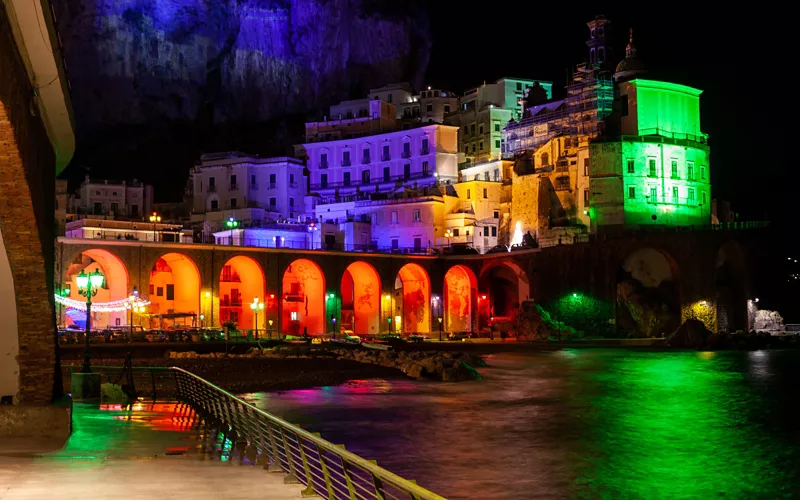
<point x="420" y="365"/>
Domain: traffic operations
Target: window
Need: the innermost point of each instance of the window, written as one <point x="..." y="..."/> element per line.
<point x="545" y="159"/>
<point x="406" y="171"/>
<point x="233" y="202"/>
<point x="212" y="183"/>
<point x="473" y="147"/>
<point x="631" y="192"/>
<point x="346" y="178"/>
<point x="477" y="177"/>
<point x="273" y="181"/>
<point x="467" y="232"/>
<point x="291" y="178"/>
<point x="674" y="164"/>
<point x="468" y="193"/>
<point x="705" y="197"/>
<point x="480" y="146"/>
<point x="497" y="143"/>
<point x="653" y="193"/>
<point x="690" y="171"/>
<point x="406" y="150"/>
<point x="291" y="202"/>
<point x="486" y="176"/>
<point x="425" y="149"/>
<point x="365" y="156"/>
<point x="417" y="244"/>
<point x="496" y="214"/>
<point x="394" y="217"/>
<point x="455" y="233"/>
<point x="424" y="168"/>
<point x="702" y="172"/>
<point x="390" y="98"/>
<point x="586" y="167"/>
<point x="585" y="197"/>
<point x="494" y="230"/>
<point x="294" y="315"/>
<point x="252" y="179"/>
<point x="519" y="86"/>
<point x="134" y="210"/>
<point x="214" y="205"/>
<point x="115" y="207"/>
<point x="446" y="108"/>
<point x="395" y="244"/>
<point x="346" y="159"/>
<point x="417" y="215"/>
<point x="691" y="194"/>
<point x="159" y="291"/>
<point x="170" y="292"/>
<point x="98" y="208"/>
<point x="651" y="163"/>
<point x="386" y="155"/>
<point x="497" y="127"/>
<point x="365" y="177"/>
<point x="273" y="202"/>
<point x="480" y="130"/>
<point x="472" y="129"/>
<point x="429" y="108"/>
<point x="674" y="193"/>
<point x="374" y="219"/>
<point x="233" y="180"/>
<point x="631" y="166"/>
<point x="623" y="105"/>
<point x="485" y="193"/>
<point x="323" y="180"/>
<point x="323" y="160"/>
<point x="387" y="174"/>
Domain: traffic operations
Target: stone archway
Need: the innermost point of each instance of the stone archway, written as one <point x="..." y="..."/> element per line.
<point x="503" y="287"/>
<point x="648" y="294"/>
<point x="174" y="292"/>
<point x="116" y="286"/>
<point x="460" y="299"/>
<point x="303" y="299"/>
<point x="361" y="299"/>
<point x="240" y="282"/>
<point x="412" y="300"/>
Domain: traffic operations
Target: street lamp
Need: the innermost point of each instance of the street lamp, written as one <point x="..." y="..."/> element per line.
<point x="232" y="224"/>
<point x="269" y="332"/>
<point x="441" y="327"/>
<point x="155" y="218"/>
<point x="312" y="226"/>
<point x="256" y="306"/>
<point x="88" y="284"/>
<point x="448" y="234"/>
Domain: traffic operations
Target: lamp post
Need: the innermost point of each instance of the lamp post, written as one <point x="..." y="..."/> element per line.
<point x="332" y="296"/>
<point x="441" y="327"/>
<point x="131" y="305"/>
<point x="202" y="318"/>
<point x="88" y="285"/>
<point x="312" y="226"/>
<point x="155" y="218"/>
<point x="232" y="224"/>
<point x="448" y="234"/>
<point x="211" y="305"/>
<point x="269" y="332"/>
<point x="256" y="306"/>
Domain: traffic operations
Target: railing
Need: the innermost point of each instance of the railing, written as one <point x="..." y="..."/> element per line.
<point x="211" y="188"/>
<point x="670" y="200"/>
<point x="253" y="186"/>
<point x="292" y="185"/>
<point x="379" y="180"/>
<point x="325" y="469"/>
<point x="386" y="158"/>
<point x="150" y="382"/>
<point x="273" y="185"/>
<point x="234" y="187"/>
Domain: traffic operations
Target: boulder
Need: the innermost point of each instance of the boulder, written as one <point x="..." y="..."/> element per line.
<point x="648" y="311"/>
<point x="693" y="334"/>
<point x="414" y="370"/>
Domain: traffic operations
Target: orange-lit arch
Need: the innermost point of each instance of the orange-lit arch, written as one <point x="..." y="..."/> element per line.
<point x="303" y="299"/>
<point x="460" y="297"/>
<point x="116" y="285"/>
<point x="361" y="299"/>
<point x="240" y="281"/>
<point x="174" y="291"/>
<point x="413" y="308"/>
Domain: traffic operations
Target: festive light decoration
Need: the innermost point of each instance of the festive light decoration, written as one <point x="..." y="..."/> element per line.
<point x="113" y="306"/>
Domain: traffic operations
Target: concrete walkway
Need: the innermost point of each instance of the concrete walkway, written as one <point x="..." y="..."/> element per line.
<point x="148" y="452"/>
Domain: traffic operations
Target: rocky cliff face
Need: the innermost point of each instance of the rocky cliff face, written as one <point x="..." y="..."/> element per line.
<point x="223" y="67"/>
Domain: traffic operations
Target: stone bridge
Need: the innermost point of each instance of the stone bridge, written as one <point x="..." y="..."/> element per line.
<point x="634" y="280"/>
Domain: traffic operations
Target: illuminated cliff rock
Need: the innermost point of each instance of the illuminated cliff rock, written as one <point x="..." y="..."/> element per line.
<point x="221" y="66"/>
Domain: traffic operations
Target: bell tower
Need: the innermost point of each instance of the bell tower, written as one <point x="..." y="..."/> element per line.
<point x="598" y="42"/>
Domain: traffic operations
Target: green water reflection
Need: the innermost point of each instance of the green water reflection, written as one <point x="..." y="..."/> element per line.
<point x="684" y="425"/>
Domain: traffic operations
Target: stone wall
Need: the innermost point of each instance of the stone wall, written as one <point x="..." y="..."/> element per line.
<point x="27" y="187"/>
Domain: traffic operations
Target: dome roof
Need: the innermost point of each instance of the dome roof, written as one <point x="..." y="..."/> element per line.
<point x="630" y="64"/>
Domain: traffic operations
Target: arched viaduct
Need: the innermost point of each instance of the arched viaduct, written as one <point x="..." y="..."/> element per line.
<point x="708" y="274"/>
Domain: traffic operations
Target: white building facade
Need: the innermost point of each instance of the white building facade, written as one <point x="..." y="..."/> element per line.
<point x="119" y="199"/>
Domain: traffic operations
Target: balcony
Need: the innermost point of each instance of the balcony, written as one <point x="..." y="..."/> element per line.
<point x="211" y="188"/>
<point x="293" y="185"/>
<point x="394" y="178"/>
<point x="323" y="164"/>
<point x="253" y="186"/>
<point x="365" y="160"/>
<point x="273" y="185"/>
<point x="234" y="187"/>
<point x="406" y="154"/>
<point x="425" y="151"/>
<point x="386" y="158"/>
<point x="669" y="200"/>
<point x="346" y="163"/>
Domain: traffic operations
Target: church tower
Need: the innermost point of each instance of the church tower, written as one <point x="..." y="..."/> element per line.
<point x="630" y="67"/>
<point x="599" y="42"/>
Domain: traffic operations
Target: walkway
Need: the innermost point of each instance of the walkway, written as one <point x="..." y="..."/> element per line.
<point x="148" y="452"/>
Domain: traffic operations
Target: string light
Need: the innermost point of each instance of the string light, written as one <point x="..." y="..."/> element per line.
<point x="113" y="306"/>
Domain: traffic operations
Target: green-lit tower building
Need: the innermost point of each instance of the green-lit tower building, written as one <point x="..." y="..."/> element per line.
<point x="652" y="167"/>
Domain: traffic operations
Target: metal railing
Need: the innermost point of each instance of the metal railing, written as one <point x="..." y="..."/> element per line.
<point x="325" y="469"/>
<point x="151" y="382"/>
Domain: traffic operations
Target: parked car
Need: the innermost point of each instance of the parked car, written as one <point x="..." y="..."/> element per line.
<point x="459" y="336"/>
